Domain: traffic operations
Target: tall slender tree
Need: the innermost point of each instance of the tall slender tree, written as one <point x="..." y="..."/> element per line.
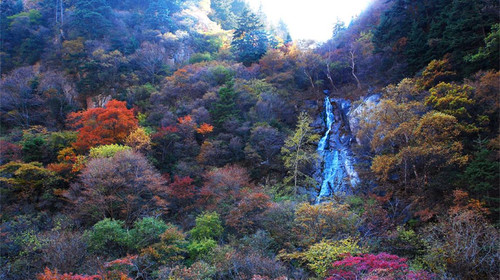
<point x="298" y="153"/>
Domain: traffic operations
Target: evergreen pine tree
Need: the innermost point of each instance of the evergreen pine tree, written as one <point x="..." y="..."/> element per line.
<point x="417" y="50"/>
<point x="225" y="109"/>
<point x="250" y="40"/>
<point x="92" y="18"/>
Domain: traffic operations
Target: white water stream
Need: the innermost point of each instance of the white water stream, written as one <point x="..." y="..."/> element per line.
<point x="336" y="162"/>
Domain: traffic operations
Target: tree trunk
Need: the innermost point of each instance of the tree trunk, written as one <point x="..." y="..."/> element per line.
<point x="310" y="78"/>
<point x="353" y="65"/>
<point x="328" y="72"/>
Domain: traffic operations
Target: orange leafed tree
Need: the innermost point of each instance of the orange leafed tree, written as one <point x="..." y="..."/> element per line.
<point x="186" y="120"/>
<point x="205" y="128"/>
<point x="103" y="126"/>
<point x="187" y="123"/>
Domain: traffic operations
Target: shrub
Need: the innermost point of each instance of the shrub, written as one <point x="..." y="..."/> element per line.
<point x="26" y="185"/>
<point x="323" y="221"/>
<point x="198" y="270"/>
<point x="182" y="192"/>
<point x="404" y="243"/>
<point x="169" y="249"/>
<point x="208" y="226"/>
<point x="54" y="275"/>
<point x="247" y="215"/>
<point x="9" y="152"/>
<point x="107" y="151"/>
<point x="107" y="237"/>
<point x="319" y="257"/>
<point x="247" y="264"/>
<point x="279" y="222"/>
<point x="146" y="232"/>
<point x="463" y="242"/>
<point x="139" y="140"/>
<point x="57" y="141"/>
<point x="112" y="270"/>
<point x="380" y="266"/>
<point x="221" y="257"/>
<point x="224" y="187"/>
<point x="33" y="148"/>
<point x="63" y="250"/>
<point x="201" y="247"/>
<point x="199" y="57"/>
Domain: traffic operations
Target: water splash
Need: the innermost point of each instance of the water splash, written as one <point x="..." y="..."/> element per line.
<point x="336" y="162"/>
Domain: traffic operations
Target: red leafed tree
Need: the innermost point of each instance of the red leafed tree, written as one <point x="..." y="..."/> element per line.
<point x="228" y="191"/>
<point x="249" y="212"/>
<point x="380" y="266"/>
<point x="182" y="192"/>
<point x="9" y="152"/>
<point x="223" y="188"/>
<point x="103" y="126"/>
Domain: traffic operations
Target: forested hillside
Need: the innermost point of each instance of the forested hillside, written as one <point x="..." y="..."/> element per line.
<point x="182" y="139"/>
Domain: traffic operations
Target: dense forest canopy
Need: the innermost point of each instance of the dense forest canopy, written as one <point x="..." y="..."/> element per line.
<point x="177" y="139"/>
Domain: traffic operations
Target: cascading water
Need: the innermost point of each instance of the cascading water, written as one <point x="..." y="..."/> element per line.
<point x="338" y="174"/>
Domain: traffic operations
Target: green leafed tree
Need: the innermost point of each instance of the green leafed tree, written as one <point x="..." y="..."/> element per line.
<point x="28" y="185"/>
<point x="489" y="55"/>
<point x="225" y="108"/>
<point x="91" y="18"/>
<point x="222" y="14"/>
<point x="299" y="153"/>
<point x="481" y="178"/>
<point x="159" y="14"/>
<point x="208" y="226"/>
<point x="250" y="40"/>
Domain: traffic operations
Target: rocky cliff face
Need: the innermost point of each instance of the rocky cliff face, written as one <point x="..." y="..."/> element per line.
<point x="359" y="111"/>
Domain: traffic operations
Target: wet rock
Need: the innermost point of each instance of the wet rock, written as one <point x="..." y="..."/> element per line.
<point x="335" y="172"/>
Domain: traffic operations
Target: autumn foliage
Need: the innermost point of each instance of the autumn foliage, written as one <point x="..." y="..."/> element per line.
<point x="229" y="192"/>
<point x="224" y="187"/>
<point x="380" y="266"/>
<point x="9" y="151"/>
<point x="102" y="126"/>
<point x="248" y="213"/>
<point x="54" y="275"/>
<point x="124" y="187"/>
<point x="145" y="128"/>
<point x="113" y="270"/>
<point x="182" y="192"/>
<point x="205" y="128"/>
<point x="187" y="120"/>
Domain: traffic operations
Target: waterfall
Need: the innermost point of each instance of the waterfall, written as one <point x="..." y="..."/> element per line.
<point x="335" y="156"/>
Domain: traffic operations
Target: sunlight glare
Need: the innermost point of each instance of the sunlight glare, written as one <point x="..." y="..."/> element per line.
<point x="311" y="19"/>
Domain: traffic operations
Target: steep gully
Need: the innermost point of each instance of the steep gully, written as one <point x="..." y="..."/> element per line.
<point x="335" y="163"/>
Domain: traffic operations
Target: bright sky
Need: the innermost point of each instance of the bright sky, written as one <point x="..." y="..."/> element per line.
<point x="310" y="19"/>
